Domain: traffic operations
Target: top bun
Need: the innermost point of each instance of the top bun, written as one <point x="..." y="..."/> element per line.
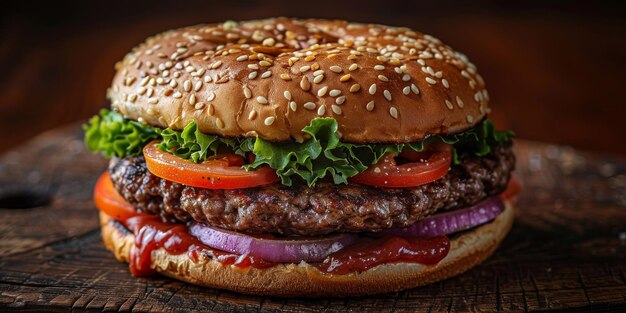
<point x="270" y="78"/>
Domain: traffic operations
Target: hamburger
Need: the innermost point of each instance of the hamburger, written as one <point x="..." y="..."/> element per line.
<point x="301" y="158"/>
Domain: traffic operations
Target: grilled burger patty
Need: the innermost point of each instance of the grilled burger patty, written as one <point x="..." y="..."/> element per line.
<point x="303" y="210"/>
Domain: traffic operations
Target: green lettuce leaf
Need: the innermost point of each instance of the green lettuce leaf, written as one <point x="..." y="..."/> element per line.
<point x="323" y="155"/>
<point x="112" y="135"/>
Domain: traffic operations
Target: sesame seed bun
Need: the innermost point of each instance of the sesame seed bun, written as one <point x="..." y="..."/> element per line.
<point x="466" y="251"/>
<point x="270" y="78"/>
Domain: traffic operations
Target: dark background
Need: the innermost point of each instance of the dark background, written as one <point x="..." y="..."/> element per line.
<point x="554" y="69"/>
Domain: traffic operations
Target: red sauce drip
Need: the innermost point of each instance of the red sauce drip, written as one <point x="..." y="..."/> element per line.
<point x="152" y="234"/>
<point x="369" y="253"/>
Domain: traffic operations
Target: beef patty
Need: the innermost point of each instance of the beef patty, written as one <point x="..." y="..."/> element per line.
<point x="322" y="209"/>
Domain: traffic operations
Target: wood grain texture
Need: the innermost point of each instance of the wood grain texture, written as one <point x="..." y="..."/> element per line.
<point x="566" y="251"/>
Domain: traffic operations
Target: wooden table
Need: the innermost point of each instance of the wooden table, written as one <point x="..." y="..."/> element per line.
<point x="566" y="251"/>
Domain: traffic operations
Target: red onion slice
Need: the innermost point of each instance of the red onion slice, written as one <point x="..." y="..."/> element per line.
<point x="451" y="222"/>
<point x="273" y="250"/>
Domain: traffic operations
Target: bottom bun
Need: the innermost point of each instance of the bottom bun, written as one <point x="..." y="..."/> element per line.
<point x="466" y="251"/>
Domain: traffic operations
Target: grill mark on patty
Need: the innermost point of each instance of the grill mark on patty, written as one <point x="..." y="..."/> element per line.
<point x="323" y="209"/>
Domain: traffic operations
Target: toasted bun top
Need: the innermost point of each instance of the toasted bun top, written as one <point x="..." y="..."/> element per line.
<point x="270" y="78"/>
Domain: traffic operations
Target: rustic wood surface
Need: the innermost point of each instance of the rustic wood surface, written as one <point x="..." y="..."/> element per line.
<point x="566" y="251"/>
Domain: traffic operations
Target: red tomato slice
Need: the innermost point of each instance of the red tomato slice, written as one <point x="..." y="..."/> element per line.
<point x="420" y="168"/>
<point x="512" y="190"/>
<point x="109" y="201"/>
<point x="221" y="172"/>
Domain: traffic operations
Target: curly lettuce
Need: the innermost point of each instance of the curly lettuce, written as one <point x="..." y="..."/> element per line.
<point x="321" y="156"/>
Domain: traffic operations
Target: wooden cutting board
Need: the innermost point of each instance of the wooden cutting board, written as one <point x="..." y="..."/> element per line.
<point x="566" y="251"/>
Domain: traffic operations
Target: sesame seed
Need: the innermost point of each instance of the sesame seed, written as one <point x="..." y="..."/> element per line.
<point x="192" y="99"/>
<point x="242" y="58"/>
<point x="383" y="78"/>
<point x="322" y="91"/>
<point x="211" y="96"/>
<point x="470" y="119"/>
<point x="219" y="122"/>
<point x="309" y="58"/>
<point x="216" y="65"/>
<point x="387" y="95"/>
<point x="340" y="100"/>
<point x="177" y="95"/>
<point x="266" y="74"/>
<point x="261" y="100"/>
<point x="335" y="68"/>
<point x="425" y="55"/>
<point x="472" y="84"/>
<point x="150" y="92"/>
<point x="459" y="102"/>
<point x="199" y="106"/>
<point x="285" y="76"/>
<point x="304" y="68"/>
<point x="318" y="79"/>
<point x="304" y="84"/>
<point x="353" y="67"/>
<point x="246" y="92"/>
<point x="293" y="106"/>
<point x="477" y="96"/>
<point x="197" y="85"/>
<point x="153" y="100"/>
<point x="318" y="72"/>
<point x="393" y="112"/>
<point x="415" y="89"/>
<point x="211" y="110"/>
<point x="449" y="104"/>
<point x="145" y="81"/>
<point x="309" y="106"/>
<point x="269" y="42"/>
<point x="355" y="88"/>
<point x="406" y="90"/>
<point x="264" y="63"/>
<point x="142" y="90"/>
<point x="321" y="110"/>
<point x="269" y="120"/>
<point x="187" y="85"/>
<point x="398" y="70"/>
<point x="372" y="89"/>
<point x="430" y="81"/>
<point x="253" y="66"/>
<point x="132" y="98"/>
<point x="421" y="62"/>
<point x="370" y="106"/>
<point x="406" y="77"/>
<point x="207" y="79"/>
<point x="439" y="74"/>
<point x="377" y="170"/>
<point x="345" y="78"/>
<point x="252" y="115"/>
<point x="252" y="75"/>
<point x="173" y="83"/>
<point x="287" y="95"/>
<point x="337" y="110"/>
<point x="379" y="67"/>
<point x="445" y="83"/>
<point x="334" y="92"/>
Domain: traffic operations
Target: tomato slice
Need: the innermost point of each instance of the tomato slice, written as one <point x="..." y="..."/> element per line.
<point x="512" y="190"/>
<point x="221" y="172"/>
<point x="109" y="201"/>
<point x="420" y="168"/>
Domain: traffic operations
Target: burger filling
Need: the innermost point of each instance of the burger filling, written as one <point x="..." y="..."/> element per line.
<point x="342" y="207"/>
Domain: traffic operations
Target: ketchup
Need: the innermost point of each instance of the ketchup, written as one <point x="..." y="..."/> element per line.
<point x="369" y="253"/>
<point x="152" y="234"/>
